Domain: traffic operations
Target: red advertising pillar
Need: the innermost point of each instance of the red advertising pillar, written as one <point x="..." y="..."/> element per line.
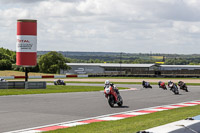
<point x="26" y="47"/>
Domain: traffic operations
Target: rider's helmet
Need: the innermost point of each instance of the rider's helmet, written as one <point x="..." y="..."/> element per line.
<point x="107" y="82"/>
<point x="169" y="81"/>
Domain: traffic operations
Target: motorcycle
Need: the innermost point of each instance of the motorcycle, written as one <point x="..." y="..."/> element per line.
<point x="173" y="87"/>
<point x="112" y="96"/>
<point x="163" y="86"/>
<point x="2" y="80"/>
<point x="59" y="82"/>
<point x="183" y="86"/>
<point x="146" y="84"/>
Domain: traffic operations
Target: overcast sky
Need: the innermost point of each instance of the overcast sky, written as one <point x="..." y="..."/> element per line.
<point x="132" y="26"/>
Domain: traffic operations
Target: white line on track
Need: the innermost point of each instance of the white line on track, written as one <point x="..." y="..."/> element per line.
<point x="109" y="117"/>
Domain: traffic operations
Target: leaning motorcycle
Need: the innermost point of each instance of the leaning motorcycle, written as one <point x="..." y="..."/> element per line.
<point x="174" y="88"/>
<point x="163" y="86"/>
<point x="183" y="87"/>
<point x="59" y="82"/>
<point x="146" y="84"/>
<point x="112" y="96"/>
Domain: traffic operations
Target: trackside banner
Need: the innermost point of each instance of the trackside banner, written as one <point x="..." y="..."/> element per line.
<point x="26" y="43"/>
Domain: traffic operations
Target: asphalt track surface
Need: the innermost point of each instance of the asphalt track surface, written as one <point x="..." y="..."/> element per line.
<point x="27" y="111"/>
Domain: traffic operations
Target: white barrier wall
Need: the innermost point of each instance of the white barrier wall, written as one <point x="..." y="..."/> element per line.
<point x="59" y="76"/>
<point x="8" y="77"/>
<point x="82" y="76"/>
<point x="182" y="126"/>
<point x="35" y="77"/>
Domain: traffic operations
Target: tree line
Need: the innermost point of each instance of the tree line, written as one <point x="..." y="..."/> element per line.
<point x="53" y="61"/>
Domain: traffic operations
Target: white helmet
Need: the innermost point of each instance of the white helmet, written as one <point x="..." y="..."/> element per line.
<point x="107" y="82"/>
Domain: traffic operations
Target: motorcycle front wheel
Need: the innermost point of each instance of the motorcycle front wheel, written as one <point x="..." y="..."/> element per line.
<point x="176" y="92"/>
<point x="120" y="103"/>
<point x="185" y="88"/>
<point x="111" y="101"/>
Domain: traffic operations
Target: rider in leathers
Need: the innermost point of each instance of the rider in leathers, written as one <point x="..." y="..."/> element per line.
<point x="107" y="82"/>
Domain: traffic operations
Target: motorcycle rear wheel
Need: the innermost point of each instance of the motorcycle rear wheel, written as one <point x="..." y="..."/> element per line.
<point x="176" y="92"/>
<point x="185" y="88"/>
<point x="111" y="101"/>
<point x="121" y="101"/>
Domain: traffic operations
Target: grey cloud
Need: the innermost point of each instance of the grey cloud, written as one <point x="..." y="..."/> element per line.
<point x="178" y="11"/>
<point x="33" y="1"/>
<point x="20" y="1"/>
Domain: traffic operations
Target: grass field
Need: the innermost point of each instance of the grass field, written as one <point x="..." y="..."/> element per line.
<point x="134" y="124"/>
<point x="138" y="83"/>
<point x="17" y="73"/>
<point x="52" y="89"/>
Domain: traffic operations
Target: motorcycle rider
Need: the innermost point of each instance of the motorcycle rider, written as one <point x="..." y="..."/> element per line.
<point x="159" y="84"/>
<point x="107" y="83"/>
<point x="144" y="83"/>
<point x="59" y="81"/>
<point x="182" y="85"/>
<point x="169" y="83"/>
<point x="2" y="80"/>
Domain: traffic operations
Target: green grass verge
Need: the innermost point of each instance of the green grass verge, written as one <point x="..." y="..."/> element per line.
<point x="52" y="89"/>
<point x="140" y="78"/>
<point x="134" y="124"/>
<point x="152" y="83"/>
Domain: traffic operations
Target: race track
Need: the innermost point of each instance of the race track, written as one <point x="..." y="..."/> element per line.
<point x="27" y="111"/>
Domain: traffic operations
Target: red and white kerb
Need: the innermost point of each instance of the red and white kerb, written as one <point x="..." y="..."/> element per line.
<point x="26" y="47"/>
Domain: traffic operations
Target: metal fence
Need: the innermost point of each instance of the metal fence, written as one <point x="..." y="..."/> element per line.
<point x="22" y="85"/>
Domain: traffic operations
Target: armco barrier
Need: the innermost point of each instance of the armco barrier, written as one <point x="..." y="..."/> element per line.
<point x="71" y="76"/>
<point x="59" y="76"/>
<point x="19" y="77"/>
<point x="82" y="76"/>
<point x="46" y="76"/>
<point x="22" y="85"/>
<point x="3" y="85"/>
<point x="35" y="85"/>
<point x="16" y="85"/>
<point x="34" y="77"/>
<point x="8" y="77"/>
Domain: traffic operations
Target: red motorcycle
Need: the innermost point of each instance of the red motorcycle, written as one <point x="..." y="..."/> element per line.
<point x="112" y="96"/>
<point x="163" y="86"/>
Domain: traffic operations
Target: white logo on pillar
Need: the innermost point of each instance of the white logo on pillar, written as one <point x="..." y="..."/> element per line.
<point x="26" y="43"/>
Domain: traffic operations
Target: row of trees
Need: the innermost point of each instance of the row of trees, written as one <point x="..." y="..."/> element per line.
<point x="51" y="62"/>
<point x="7" y="58"/>
<point x="169" y="61"/>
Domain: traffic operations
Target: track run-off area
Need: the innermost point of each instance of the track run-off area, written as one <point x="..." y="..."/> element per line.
<point x="27" y="111"/>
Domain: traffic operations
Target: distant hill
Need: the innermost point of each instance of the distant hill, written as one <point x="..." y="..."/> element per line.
<point x="130" y="57"/>
<point x="106" y="56"/>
